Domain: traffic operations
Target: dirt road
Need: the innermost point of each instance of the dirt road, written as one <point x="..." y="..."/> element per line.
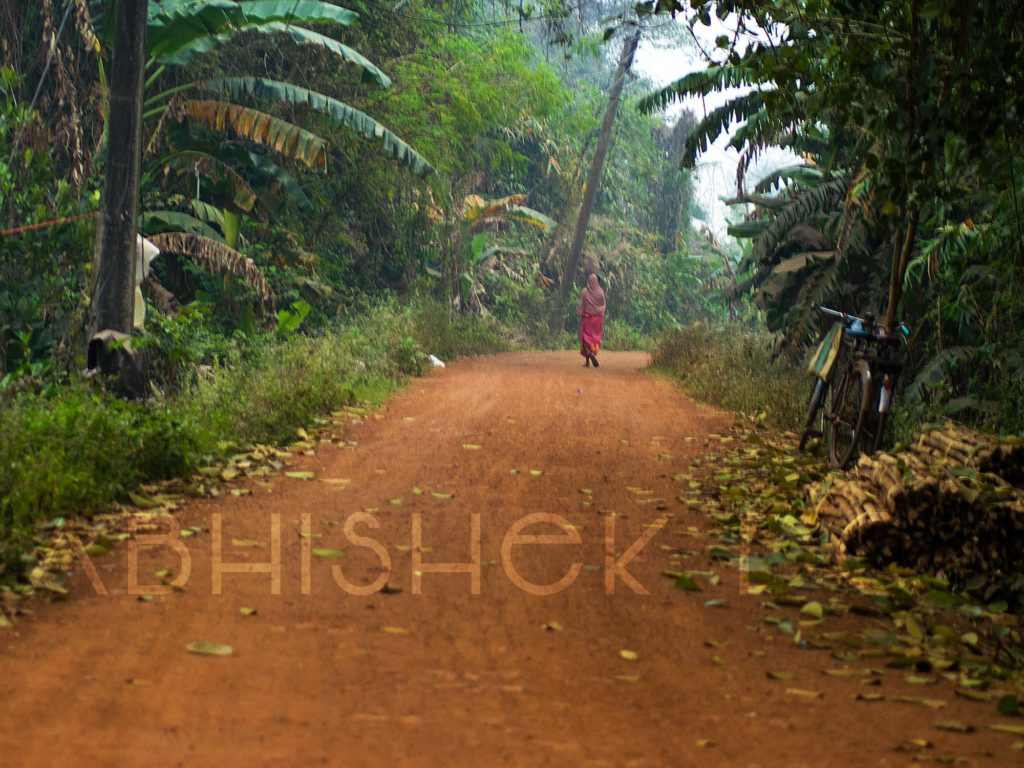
<point x="446" y="677"/>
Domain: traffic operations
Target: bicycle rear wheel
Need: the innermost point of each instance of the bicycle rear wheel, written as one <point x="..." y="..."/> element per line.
<point x="847" y="414"/>
<point x="882" y="426"/>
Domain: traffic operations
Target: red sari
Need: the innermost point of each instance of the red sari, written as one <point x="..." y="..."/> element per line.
<point x="591" y="310"/>
<point x="591" y="330"/>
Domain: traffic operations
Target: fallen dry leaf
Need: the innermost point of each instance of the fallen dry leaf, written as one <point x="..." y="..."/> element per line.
<point x="206" y="648"/>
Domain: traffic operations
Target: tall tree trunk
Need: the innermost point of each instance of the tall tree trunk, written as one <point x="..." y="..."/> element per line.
<point x="572" y="264"/>
<point x="904" y="247"/>
<point x="900" y="261"/>
<point x="114" y="294"/>
<point x="672" y="197"/>
<point x="557" y="242"/>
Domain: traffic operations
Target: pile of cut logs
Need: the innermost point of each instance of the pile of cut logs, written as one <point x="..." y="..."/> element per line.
<point x="952" y="503"/>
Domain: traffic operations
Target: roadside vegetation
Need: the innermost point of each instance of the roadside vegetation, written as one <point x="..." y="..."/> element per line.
<point x="339" y="192"/>
<point x="319" y="238"/>
<point x="75" y="448"/>
<point x="733" y="367"/>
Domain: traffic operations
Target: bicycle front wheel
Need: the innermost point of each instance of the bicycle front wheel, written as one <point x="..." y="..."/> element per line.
<point x="848" y="413"/>
<point x="812" y="422"/>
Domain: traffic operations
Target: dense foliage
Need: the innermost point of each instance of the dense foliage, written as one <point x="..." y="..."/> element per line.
<point x="259" y="140"/>
<point x="305" y="164"/>
<point x="905" y="120"/>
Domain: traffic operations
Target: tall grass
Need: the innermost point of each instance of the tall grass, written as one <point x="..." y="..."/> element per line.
<point x="732" y="367"/>
<point x="621" y="336"/>
<point x="451" y="335"/>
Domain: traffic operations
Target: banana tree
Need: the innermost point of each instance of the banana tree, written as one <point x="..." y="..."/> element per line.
<point x="179" y="32"/>
<point x="805" y="220"/>
<point x="472" y="259"/>
<point x="182" y="30"/>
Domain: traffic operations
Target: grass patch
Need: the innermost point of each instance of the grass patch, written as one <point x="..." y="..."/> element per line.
<point x="732" y="367"/>
<point x="619" y="336"/>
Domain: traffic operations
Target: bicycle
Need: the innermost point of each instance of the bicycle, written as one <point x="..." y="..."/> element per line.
<point x="858" y="405"/>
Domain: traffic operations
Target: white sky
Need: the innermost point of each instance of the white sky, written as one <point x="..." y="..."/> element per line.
<point x="716" y="168"/>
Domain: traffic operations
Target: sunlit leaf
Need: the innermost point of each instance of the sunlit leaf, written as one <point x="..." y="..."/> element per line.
<point x="327" y="553"/>
<point x="813" y="609"/>
<point x="930" y="703"/>
<point x="1016" y="730"/>
<point x="206" y="648"/>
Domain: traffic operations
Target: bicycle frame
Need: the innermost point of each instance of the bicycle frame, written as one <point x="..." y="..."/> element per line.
<point x="870" y="369"/>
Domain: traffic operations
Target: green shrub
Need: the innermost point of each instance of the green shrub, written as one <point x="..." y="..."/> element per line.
<point x="176" y="346"/>
<point x="541" y="337"/>
<point x="732" y="367"/>
<point x="76" y="451"/>
<point x="620" y="336"/>
<point x="286" y="384"/>
<point x="456" y="335"/>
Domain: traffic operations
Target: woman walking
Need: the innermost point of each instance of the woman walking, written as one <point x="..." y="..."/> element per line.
<point x="591" y="311"/>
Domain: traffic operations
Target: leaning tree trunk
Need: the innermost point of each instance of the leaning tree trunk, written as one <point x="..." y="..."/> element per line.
<point x="671" y="201"/>
<point x="900" y="261"/>
<point x="572" y="264"/>
<point x="114" y="294"/>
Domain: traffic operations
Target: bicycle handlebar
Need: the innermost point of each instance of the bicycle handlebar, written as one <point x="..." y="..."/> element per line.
<point x="863" y="327"/>
<point x="836" y="313"/>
